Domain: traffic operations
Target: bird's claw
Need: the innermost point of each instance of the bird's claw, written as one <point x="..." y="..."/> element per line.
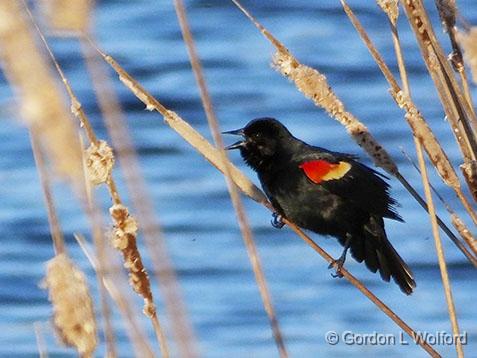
<point x="338" y="265"/>
<point x="277" y="221"/>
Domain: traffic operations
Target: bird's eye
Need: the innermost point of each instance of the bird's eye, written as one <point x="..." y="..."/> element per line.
<point x="258" y="135"/>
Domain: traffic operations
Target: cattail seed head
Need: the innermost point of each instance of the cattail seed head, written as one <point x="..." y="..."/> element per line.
<point x="74" y="316"/>
<point x="99" y="162"/>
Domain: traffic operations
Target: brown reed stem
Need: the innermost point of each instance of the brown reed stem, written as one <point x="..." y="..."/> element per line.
<point x="132" y="257"/>
<point x="134" y="331"/>
<point x="164" y="273"/>
<point x="213" y="156"/>
<point x="98" y="239"/>
<point x="56" y="234"/>
<point x="76" y="107"/>
<point x="457" y="109"/>
<point x="457" y="222"/>
<point x="430" y="203"/>
<point x="418" y="125"/>
<point x="440" y="252"/>
<point x="472" y="259"/>
<point x="314" y="86"/>
<point x="361" y="287"/>
<point x="448" y="13"/>
<point x="233" y="191"/>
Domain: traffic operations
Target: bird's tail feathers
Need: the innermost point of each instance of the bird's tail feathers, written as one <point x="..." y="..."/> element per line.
<point x="379" y="255"/>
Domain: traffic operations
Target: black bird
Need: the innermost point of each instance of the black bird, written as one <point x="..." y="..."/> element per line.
<point x="327" y="192"/>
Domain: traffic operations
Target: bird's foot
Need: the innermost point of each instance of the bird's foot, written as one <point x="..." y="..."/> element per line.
<point x="277" y="221"/>
<point x="338" y="265"/>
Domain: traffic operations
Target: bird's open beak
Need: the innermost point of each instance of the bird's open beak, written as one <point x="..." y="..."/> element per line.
<point x="238" y="144"/>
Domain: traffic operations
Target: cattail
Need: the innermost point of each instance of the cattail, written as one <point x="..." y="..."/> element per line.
<point x="391" y="8"/>
<point x="314" y="86"/>
<point x="468" y="41"/>
<point x="99" y="162"/>
<point x="184" y="129"/>
<point x="124" y="239"/>
<point x="422" y="131"/>
<point x="447" y="12"/>
<point x="41" y="103"/>
<point x="67" y="15"/>
<point x="73" y="308"/>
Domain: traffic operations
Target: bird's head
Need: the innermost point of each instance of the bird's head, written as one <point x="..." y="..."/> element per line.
<point x="262" y="139"/>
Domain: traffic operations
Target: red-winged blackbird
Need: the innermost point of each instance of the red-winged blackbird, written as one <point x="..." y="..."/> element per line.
<point x="327" y="192"/>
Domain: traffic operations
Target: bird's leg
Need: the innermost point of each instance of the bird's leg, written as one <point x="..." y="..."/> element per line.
<point x="341" y="260"/>
<point x="277" y="221"/>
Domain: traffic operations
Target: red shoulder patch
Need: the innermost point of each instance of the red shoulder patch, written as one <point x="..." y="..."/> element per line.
<point x="322" y="170"/>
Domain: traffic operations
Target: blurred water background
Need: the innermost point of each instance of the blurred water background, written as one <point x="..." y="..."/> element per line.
<point x="190" y="196"/>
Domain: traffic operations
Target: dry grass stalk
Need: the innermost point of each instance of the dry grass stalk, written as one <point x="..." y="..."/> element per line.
<point x="163" y="268"/>
<point x="40" y="100"/>
<point x="73" y="307"/>
<point x="40" y="340"/>
<point x="99" y="242"/>
<point x="186" y="131"/>
<point x="213" y="156"/>
<point x="458" y="110"/>
<point x="233" y="191"/>
<point x="456" y="220"/>
<point x="361" y="287"/>
<point x="314" y="86"/>
<point x="125" y="240"/>
<point x="125" y="305"/>
<point x="391" y="8"/>
<point x="320" y="92"/>
<point x="55" y="230"/>
<point x="469" y="170"/>
<point x="440" y="252"/>
<point x="411" y="111"/>
<point x="99" y="165"/>
<point x="464" y="231"/>
<point x="448" y="14"/>
<point x="468" y="41"/>
<point x="415" y="120"/>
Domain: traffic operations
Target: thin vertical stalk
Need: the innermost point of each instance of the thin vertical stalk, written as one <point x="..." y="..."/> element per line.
<point x="233" y="191"/>
<point x="430" y="203"/>
<point x="132" y="257"/>
<point x="163" y="268"/>
<point x="456" y="107"/>
<point x="419" y="128"/>
<point x="40" y="340"/>
<point x="98" y="239"/>
<point x="361" y="287"/>
<point x="56" y="234"/>
<point x="139" y="341"/>
<point x="440" y="253"/>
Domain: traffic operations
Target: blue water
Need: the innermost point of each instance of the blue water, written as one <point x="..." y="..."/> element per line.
<point x="190" y="196"/>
